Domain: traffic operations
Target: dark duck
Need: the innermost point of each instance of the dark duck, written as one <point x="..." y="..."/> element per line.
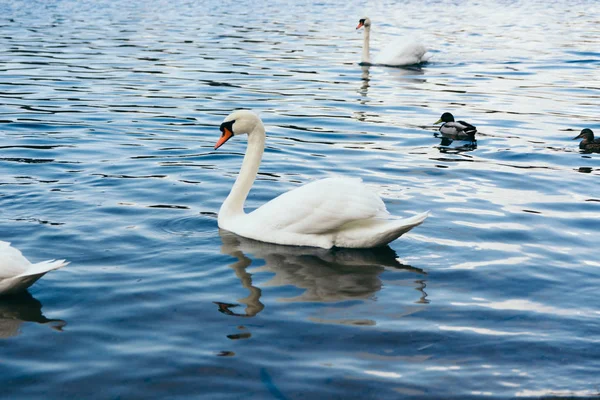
<point x="459" y="130"/>
<point x="588" y="143"/>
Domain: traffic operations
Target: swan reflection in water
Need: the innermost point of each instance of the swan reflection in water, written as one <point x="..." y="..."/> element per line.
<point x="405" y="75"/>
<point x="365" y="78"/>
<point x="20" y="308"/>
<point x="326" y="276"/>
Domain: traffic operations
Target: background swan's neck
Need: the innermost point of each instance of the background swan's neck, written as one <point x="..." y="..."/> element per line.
<point x="365" y="51"/>
<point x="234" y="204"/>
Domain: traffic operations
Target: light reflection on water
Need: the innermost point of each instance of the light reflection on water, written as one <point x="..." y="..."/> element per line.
<point x="109" y="114"/>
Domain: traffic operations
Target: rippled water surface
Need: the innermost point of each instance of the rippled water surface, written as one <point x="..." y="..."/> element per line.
<point x="108" y="115"/>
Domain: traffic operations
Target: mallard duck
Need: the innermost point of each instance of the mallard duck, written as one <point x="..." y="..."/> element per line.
<point x="588" y="142"/>
<point x="459" y="130"/>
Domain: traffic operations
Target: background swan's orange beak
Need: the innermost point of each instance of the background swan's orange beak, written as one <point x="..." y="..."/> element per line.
<point x="227" y="134"/>
<point x="360" y="25"/>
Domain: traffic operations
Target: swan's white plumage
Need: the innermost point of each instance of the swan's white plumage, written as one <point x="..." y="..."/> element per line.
<point x="340" y="212"/>
<point x="12" y="262"/>
<point x="397" y="54"/>
<point x="321" y="206"/>
<point x="17" y="273"/>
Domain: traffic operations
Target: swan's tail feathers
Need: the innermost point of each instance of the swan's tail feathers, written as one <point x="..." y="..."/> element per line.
<point x="377" y="233"/>
<point x="402" y="226"/>
<point x="21" y="282"/>
<point x="45" y="266"/>
<point x="416" y="220"/>
<point x="426" y="57"/>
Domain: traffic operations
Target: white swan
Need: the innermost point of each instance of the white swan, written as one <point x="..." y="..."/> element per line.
<point x="408" y="54"/>
<point x="17" y="273"/>
<point x="339" y="212"/>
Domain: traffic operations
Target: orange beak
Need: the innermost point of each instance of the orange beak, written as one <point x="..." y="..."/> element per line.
<point x="360" y="25"/>
<point x="227" y="134"/>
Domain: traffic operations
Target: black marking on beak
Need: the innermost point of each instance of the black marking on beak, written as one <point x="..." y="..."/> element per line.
<point x="226" y="129"/>
<point x="228" y="125"/>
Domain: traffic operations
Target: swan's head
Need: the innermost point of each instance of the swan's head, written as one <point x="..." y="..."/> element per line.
<point x="366" y="22"/>
<point x="586" y="134"/>
<point x="446" y="117"/>
<point x="237" y="123"/>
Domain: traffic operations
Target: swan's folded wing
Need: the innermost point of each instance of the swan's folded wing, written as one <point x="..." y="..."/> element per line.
<point x="12" y="262"/>
<point x="321" y="206"/>
<point x="400" y="52"/>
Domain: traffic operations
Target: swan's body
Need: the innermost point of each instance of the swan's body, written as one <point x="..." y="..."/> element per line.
<point x="394" y="54"/>
<point x="340" y="212"/>
<point x="459" y="130"/>
<point x="17" y="273"/>
<point x="588" y="143"/>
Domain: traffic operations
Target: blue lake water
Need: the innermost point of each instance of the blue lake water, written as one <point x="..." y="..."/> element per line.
<point x="108" y="115"/>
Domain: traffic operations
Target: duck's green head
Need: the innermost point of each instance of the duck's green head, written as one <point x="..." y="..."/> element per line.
<point x="446" y="117"/>
<point x="586" y="134"/>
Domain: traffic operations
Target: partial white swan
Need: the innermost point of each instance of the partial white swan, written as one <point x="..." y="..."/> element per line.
<point x="340" y="212"/>
<point x="17" y="273"/>
<point x="394" y="54"/>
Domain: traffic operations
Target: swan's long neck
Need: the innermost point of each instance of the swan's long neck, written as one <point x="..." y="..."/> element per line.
<point x="234" y="204"/>
<point x="365" y="53"/>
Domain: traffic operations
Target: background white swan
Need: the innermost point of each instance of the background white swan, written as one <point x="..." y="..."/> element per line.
<point x="17" y="273"/>
<point x="339" y="212"/>
<point x="395" y="54"/>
